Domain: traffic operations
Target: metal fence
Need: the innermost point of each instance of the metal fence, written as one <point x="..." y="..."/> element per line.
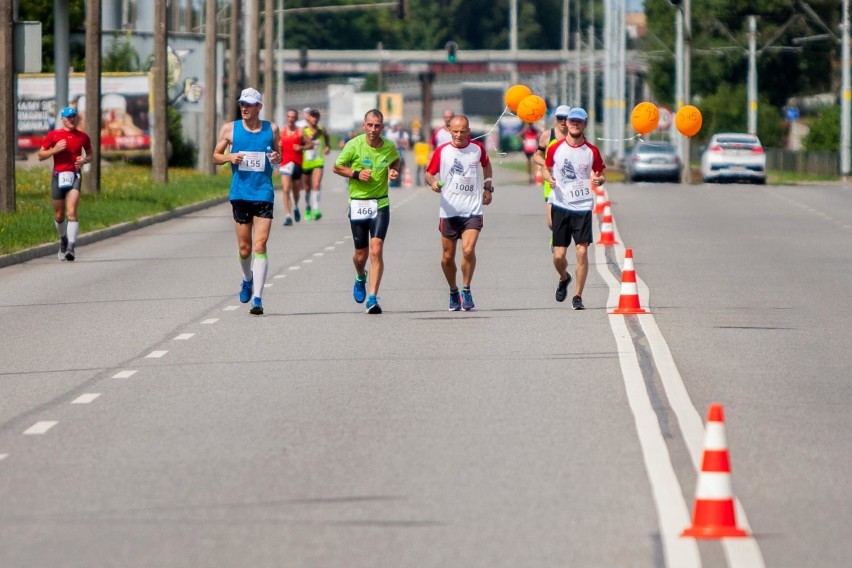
<point x="818" y="163"/>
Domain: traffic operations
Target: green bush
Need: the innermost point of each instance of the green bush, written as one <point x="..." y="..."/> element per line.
<point x="825" y="131"/>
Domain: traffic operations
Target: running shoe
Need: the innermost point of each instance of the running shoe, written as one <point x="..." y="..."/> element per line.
<point x="288" y="221"/>
<point x="63" y="247"/>
<point x="562" y="289"/>
<point x="317" y="215"/>
<point x="359" y="291"/>
<point x="577" y="303"/>
<point x="69" y="254"/>
<point x="467" y="301"/>
<point x="297" y="214"/>
<point x="455" y="301"/>
<point x="373" y="306"/>
<point x="308" y="214"/>
<point x="256" y="307"/>
<point x="245" y="291"/>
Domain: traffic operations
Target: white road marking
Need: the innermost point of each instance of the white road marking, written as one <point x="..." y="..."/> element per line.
<point x="183" y="336"/>
<point x="307" y="261"/>
<point x="124" y="374"/>
<point x="739" y="552"/>
<point x="213" y="320"/>
<point x="329" y="248"/>
<point x="40" y="427"/>
<point x="280" y="276"/>
<point x="294" y="268"/>
<point x="3" y="456"/>
<point x="269" y="284"/>
<point x="319" y="253"/>
<point x="230" y="308"/>
<point x="86" y="398"/>
<point x="155" y="354"/>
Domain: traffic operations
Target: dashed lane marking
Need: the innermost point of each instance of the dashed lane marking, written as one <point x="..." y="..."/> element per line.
<point x="183" y="336"/>
<point x="230" y="308"/>
<point x="155" y="354"/>
<point x="124" y="374"/>
<point x="40" y="427"/>
<point x="86" y="398"/>
<point x="211" y="321"/>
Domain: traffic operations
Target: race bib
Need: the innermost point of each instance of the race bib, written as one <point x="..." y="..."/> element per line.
<point x="463" y="185"/>
<point x="530" y="145"/>
<point x="310" y="154"/>
<point x="363" y="209"/>
<point x="287" y="169"/>
<point x="253" y="162"/>
<point x="66" y="179"/>
<point x="576" y="190"/>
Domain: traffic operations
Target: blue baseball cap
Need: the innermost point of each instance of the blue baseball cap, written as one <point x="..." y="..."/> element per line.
<point x="577" y="113"/>
<point x="68" y="112"/>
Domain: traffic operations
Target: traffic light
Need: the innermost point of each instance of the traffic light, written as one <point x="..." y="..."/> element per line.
<point x="452" y="47"/>
<point x="303" y="57"/>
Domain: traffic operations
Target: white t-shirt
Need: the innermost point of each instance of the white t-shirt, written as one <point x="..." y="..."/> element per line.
<point x="461" y="171"/>
<point x="572" y="168"/>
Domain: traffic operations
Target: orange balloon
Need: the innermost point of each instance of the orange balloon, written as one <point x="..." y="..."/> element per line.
<point x="688" y="120"/>
<point x="515" y="95"/>
<point x="531" y="108"/>
<point x="645" y="117"/>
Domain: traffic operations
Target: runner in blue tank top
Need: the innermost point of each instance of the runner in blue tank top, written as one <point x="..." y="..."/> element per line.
<point x="254" y="150"/>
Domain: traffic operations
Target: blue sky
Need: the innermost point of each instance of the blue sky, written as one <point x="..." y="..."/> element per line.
<point x="634" y="5"/>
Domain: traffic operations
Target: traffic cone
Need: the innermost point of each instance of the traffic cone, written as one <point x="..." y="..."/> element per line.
<point x="600" y="202"/>
<point x="538" y="177"/>
<point x="406" y="180"/>
<point x="607" y="234"/>
<point x="628" y="302"/>
<point x="713" y="515"/>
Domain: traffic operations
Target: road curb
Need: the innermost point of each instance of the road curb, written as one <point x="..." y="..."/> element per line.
<point x="109" y="232"/>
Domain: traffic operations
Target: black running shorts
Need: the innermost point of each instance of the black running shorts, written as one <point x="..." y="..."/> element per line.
<point x="375" y="228"/>
<point x="246" y="211"/>
<point x="453" y="227"/>
<point x="58" y="194"/>
<point x="569" y="225"/>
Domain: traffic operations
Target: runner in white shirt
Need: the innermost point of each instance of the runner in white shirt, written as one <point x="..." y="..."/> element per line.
<point x="573" y="166"/>
<point x="461" y="172"/>
<point x="441" y="135"/>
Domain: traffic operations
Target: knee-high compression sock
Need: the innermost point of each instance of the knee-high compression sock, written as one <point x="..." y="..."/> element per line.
<point x="315" y="199"/>
<point x="245" y="266"/>
<point x="61" y="228"/>
<point x="259" y="267"/>
<point x="73" y="230"/>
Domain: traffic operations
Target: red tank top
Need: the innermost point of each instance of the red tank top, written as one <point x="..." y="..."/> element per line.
<point x="289" y="138"/>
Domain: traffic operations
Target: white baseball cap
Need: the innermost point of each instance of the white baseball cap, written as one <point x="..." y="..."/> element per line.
<point x="562" y="110"/>
<point x="251" y="96"/>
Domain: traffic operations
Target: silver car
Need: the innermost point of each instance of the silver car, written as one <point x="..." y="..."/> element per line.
<point x="734" y="157"/>
<point x="652" y="161"/>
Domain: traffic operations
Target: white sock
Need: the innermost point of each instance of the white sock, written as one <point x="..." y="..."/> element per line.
<point x="307" y="198"/>
<point x="259" y="267"/>
<point x="245" y="265"/>
<point x="61" y="228"/>
<point x="73" y="229"/>
<point x="315" y="198"/>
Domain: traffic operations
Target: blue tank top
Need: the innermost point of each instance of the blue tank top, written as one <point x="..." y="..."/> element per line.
<point x="252" y="180"/>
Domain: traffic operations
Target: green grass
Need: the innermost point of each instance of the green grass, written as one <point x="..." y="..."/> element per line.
<point x="127" y="194"/>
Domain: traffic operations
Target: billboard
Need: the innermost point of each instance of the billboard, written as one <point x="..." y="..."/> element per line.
<point x="125" y="123"/>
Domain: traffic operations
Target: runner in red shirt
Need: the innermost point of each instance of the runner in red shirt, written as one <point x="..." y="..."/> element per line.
<point x="293" y="142"/>
<point x="66" y="146"/>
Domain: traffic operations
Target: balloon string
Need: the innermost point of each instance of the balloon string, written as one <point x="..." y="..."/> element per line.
<point x="636" y="137"/>
<point x="493" y="126"/>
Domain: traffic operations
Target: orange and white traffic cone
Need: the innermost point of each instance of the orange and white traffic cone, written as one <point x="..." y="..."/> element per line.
<point x="600" y="202"/>
<point x="538" y="177"/>
<point x="406" y="180"/>
<point x="607" y="234"/>
<point x="713" y="516"/>
<point x="628" y="302"/>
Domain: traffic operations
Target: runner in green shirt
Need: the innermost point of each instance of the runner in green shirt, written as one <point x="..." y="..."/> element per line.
<point x="370" y="162"/>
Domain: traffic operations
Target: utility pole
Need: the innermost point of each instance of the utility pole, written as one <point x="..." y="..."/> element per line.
<point x="752" y="75"/>
<point x="8" y="120"/>
<point x="160" y="169"/>
<point x="252" y="49"/>
<point x="269" y="59"/>
<point x="61" y="57"/>
<point x="591" y="75"/>
<point x="234" y="61"/>
<point x="845" y="118"/>
<point x="687" y="79"/>
<point x="210" y="86"/>
<point x="92" y="179"/>
<point x="279" y="66"/>
<point x="563" y="68"/>
<point x="578" y="53"/>
<point x="513" y="38"/>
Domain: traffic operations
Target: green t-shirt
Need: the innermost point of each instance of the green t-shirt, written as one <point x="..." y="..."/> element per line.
<point x="359" y="155"/>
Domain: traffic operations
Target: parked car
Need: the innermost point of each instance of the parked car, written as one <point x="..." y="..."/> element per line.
<point x="653" y="161"/>
<point x="734" y="157"/>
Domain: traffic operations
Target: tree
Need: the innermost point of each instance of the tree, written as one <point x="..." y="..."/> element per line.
<point x="121" y="56"/>
<point x="42" y="11"/>
<point x="725" y="111"/>
<point x="825" y="131"/>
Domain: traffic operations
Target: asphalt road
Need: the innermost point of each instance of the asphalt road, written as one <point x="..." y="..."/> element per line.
<point x="522" y="434"/>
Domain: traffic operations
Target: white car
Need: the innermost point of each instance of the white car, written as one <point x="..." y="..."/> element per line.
<point x="734" y="157"/>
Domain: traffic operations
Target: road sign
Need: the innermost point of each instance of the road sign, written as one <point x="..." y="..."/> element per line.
<point x="792" y="114"/>
<point x="666" y="117"/>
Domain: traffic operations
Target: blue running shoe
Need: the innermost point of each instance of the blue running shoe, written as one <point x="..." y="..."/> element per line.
<point x="297" y="215"/>
<point x="245" y="291"/>
<point x="359" y="291"/>
<point x="373" y="306"/>
<point x="288" y="221"/>
<point x="455" y="301"/>
<point x="467" y="301"/>
<point x="256" y="307"/>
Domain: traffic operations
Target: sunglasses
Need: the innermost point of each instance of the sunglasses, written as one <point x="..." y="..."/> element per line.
<point x="561" y="118"/>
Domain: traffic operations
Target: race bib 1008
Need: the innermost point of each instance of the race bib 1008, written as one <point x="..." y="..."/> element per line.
<point x="463" y="185"/>
<point x="253" y="162"/>
<point x="66" y="179"/>
<point x="363" y="209"/>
